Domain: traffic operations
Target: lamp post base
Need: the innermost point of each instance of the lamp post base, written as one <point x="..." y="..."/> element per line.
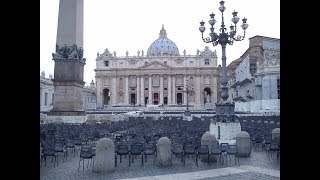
<point x="225" y="112"/>
<point x="187" y="113"/>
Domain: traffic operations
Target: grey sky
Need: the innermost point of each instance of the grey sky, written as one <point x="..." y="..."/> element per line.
<point x="132" y="25"/>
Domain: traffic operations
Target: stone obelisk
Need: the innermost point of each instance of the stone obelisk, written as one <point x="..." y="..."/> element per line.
<point x="69" y="62"/>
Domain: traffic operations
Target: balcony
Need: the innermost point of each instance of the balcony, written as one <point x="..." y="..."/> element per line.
<point x="239" y="98"/>
<point x="245" y="81"/>
<point x="233" y="83"/>
<point x="249" y="96"/>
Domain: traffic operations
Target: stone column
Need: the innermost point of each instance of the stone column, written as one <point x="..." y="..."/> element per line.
<point x="184" y="88"/>
<point x="138" y="90"/>
<point x="174" y="101"/>
<point x="99" y="91"/>
<point x="266" y="87"/>
<point x="142" y="90"/>
<point x="150" y="91"/>
<point x="161" y="89"/>
<point x="126" y="90"/>
<point x="201" y="91"/>
<point x="41" y="98"/>
<point x="215" y="90"/>
<point x="169" y="90"/>
<point x="114" y="91"/>
<point x="198" y="90"/>
<point x="69" y="65"/>
<point x="70" y="23"/>
<point x="273" y="87"/>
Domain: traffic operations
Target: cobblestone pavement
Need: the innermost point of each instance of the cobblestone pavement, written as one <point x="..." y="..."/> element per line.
<point x="258" y="166"/>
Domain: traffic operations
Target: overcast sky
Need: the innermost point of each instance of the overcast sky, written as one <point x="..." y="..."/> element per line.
<point x="132" y="25"/>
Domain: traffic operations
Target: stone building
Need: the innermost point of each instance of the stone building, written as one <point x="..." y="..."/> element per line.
<point x="159" y="77"/>
<point x="47" y="94"/>
<point x="89" y="97"/>
<point x="254" y="78"/>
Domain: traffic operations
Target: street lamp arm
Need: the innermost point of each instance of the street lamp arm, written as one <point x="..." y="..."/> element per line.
<point x="240" y="38"/>
<point x="211" y="40"/>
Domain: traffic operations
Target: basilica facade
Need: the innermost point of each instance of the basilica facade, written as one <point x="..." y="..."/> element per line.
<point x="161" y="77"/>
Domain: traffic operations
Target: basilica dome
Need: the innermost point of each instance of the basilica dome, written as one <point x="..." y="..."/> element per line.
<point x="163" y="46"/>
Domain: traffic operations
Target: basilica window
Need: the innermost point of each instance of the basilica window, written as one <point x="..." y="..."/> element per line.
<point x="106" y="81"/>
<point x="106" y="63"/>
<point x="179" y="81"/>
<point x="121" y="82"/>
<point x="146" y="82"/>
<point x="206" y="80"/>
<point x="155" y="81"/>
<point x="206" y="62"/>
<point x="165" y="81"/>
<point x="191" y="79"/>
<point x="132" y="81"/>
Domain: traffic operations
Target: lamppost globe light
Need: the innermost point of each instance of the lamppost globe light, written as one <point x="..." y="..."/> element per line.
<point x="212" y="21"/>
<point x="244" y="25"/>
<point x="235" y="18"/>
<point x="202" y="28"/>
<point x="222" y="7"/>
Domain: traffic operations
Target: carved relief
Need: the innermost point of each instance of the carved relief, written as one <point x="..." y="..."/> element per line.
<point x="68" y="52"/>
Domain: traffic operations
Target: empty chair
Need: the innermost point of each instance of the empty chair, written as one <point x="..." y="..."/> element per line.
<point x="70" y="145"/>
<point x="203" y="150"/>
<point x="233" y="151"/>
<point x="77" y="142"/>
<point x="216" y="151"/>
<point x="258" y="141"/>
<point x="122" y="149"/>
<point x="224" y="147"/>
<point x="149" y="149"/>
<point x="188" y="149"/>
<point x="274" y="147"/>
<point x="59" y="148"/>
<point x="48" y="150"/>
<point x="86" y="153"/>
<point x="177" y="150"/>
<point x="135" y="150"/>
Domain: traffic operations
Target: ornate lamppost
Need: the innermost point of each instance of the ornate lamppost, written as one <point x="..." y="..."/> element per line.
<point x="189" y="88"/>
<point x="224" y="109"/>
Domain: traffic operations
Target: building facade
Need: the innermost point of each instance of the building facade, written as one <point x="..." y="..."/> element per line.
<point x="254" y="78"/>
<point x="47" y="94"/>
<point x="159" y="77"/>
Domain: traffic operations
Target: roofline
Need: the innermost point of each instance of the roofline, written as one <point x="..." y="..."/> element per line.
<point x="265" y="37"/>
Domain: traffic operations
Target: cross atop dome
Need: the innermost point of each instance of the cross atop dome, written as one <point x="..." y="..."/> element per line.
<point x="163" y="33"/>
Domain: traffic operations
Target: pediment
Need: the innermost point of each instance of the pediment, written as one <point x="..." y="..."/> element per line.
<point x="155" y="65"/>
